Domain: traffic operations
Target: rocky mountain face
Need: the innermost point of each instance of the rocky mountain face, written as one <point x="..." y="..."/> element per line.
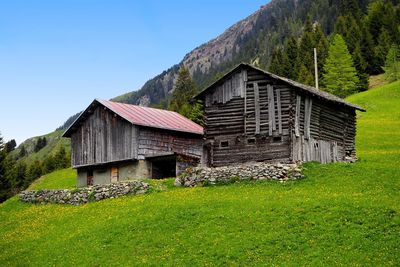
<point x="249" y="40"/>
<point x="205" y="61"/>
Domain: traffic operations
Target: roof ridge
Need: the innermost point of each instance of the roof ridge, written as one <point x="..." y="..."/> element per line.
<point x="327" y="96"/>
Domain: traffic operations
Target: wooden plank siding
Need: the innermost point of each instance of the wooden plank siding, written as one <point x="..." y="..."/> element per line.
<point x="102" y="138"/>
<point x="325" y="132"/>
<point x="152" y="142"/>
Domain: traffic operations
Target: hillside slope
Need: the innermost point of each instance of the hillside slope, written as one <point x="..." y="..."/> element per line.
<point x="54" y="141"/>
<point x="341" y="214"/>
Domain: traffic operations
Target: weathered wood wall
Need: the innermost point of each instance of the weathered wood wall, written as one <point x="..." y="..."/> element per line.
<point x="262" y="118"/>
<point x="152" y="142"/>
<point x="323" y="131"/>
<point x="103" y="137"/>
<point x="247" y="126"/>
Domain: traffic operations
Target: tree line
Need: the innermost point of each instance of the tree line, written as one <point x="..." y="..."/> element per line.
<point x="17" y="174"/>
<point x="361" y="44"/>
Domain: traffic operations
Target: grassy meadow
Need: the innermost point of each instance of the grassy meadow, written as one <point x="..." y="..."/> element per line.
<point x="340" y="214"/>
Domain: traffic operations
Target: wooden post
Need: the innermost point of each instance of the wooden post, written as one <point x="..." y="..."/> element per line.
<point x="297" y="116"/>
<point x="244" y="80"/>
<point x="278" y="103"/>
<point x="307" y="116"/>
<point x="271" y="110"/>
<point x="316" y="68"/>
<point x="257" y="107"/>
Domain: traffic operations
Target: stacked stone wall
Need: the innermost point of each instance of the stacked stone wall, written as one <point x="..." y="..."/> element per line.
<point x="84" y="195"/>
<point x="221" y="175"/>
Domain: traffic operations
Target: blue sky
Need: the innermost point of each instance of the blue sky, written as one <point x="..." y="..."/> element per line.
<point x="57" y="56"/>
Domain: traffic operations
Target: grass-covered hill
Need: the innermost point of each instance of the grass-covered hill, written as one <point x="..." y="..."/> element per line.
<point x="340" y="214"/>
<point x="53" y="142"/>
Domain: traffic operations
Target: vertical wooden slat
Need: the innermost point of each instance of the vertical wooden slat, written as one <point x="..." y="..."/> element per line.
<point x="271" y="110"/>
<point x="297" y="116"/>
<point x="257" y="107"/>
<point x="243" y="83"/>
<point x="307" y="116"/>
<point x="278" y="103"/>
<point x="244" y="93"/>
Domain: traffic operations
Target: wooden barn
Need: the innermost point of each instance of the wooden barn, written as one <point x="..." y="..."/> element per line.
<point x="253" y="115"/>
<point x="113" y="141"/>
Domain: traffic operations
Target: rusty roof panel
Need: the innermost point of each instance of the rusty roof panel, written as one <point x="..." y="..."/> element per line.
<point x="153" y="117"/>
<point x="149" y="117"/>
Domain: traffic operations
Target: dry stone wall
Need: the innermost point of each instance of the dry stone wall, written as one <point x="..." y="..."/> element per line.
<point x="84" y="195"/>
<point x="222" y="175"/>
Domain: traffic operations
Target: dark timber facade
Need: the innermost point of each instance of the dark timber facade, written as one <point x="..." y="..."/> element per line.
<point x="253" y="115"/>
<point x="113" y="141"/>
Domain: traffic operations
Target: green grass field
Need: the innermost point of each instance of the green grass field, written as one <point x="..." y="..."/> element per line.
<point x="65" y="179"/>
<point x="341" y="214"/>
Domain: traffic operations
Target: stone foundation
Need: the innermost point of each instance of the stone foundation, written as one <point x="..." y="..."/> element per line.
<point x="84" y="195"/>
<point x="222" y="175"/>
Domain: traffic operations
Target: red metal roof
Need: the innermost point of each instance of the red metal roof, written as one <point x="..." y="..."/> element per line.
<point x="153" y="117"/>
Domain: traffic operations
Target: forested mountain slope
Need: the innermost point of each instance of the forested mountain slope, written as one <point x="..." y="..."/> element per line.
<point x="252" y="40"/>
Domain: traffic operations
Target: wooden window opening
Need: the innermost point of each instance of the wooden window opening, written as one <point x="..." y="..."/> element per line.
<point x="224" y="144"/>
<point x="277" y="139"/>
<point x="251" y="141"/>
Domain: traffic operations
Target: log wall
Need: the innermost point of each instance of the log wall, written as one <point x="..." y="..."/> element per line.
<point x="152" y="142"/>
<point x="322" y="131"/>
<point x="265" y="119"/>
<point x="248" y="126"/>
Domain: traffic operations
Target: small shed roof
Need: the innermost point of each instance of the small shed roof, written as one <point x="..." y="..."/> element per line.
<point x="298" y="86"/>
<point x="143" y="116"/>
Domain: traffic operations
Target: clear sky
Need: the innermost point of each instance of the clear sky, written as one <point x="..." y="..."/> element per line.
<point x="56" y="56"/>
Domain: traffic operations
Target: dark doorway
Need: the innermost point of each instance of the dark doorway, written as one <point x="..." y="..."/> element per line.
<point x="89" y="178"/>
<point x="163" y="167"/>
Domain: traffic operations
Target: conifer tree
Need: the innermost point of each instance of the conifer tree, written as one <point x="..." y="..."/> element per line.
<point x="305" y="59"/>
<point x="382" y="48"/>
<point x="291" y="53"/>
<point x="184" y="90"/>
<point x="277" y="65"/>
<point x="305" y="76"/>
<point x="34" y="171"/>
<point x="368" y="51"/>
<point x="322" y="46"/>
<point x="4" y="184"/>
<point x="1" y="142"/>
<point x="392" y="64"/>
<point x="361" y="67"/>
<point x="312" y="37"/>
<point x="340" y="76"/>
<point x="10" y="145"/>
<point x="22" y="152"/>
<point x="197" y="113"/>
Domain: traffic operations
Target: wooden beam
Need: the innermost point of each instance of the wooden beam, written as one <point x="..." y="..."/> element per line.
<point x="257" y="107"/>
<point x="271" y="109"/>
<point x="297" y="116"/>
<point x="278" y="103"/>
<point x="307" y="116"/>
<point x="244" y="92"/>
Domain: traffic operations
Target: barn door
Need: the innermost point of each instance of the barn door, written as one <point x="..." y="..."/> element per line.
<point x="114" y="174"/>
<point x="89" y="178"/>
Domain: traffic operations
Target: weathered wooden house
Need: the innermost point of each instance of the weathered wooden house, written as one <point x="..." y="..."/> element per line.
<point x="113" y="141"/>
<point x="253" y="115"/>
